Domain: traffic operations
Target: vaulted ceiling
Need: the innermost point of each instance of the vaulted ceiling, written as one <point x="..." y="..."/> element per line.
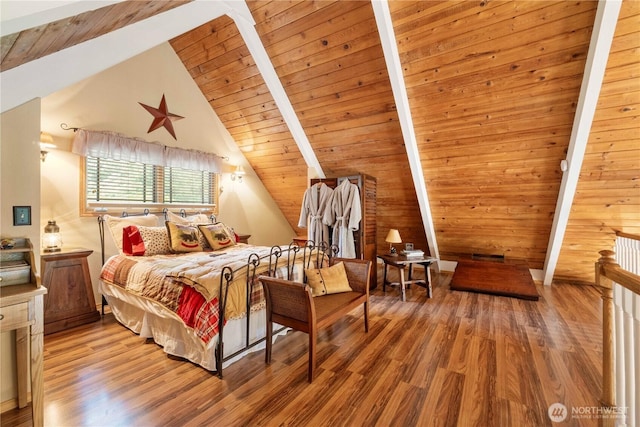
<point x="462" y="110"/>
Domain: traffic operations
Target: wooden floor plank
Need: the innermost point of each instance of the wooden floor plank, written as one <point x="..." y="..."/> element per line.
<point x="456" y="359"/>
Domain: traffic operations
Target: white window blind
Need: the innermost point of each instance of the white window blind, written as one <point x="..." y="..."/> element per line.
<point x="121" y="185"/>
<point x="110" y="180"/>
<point x="188" y="186"/>
<point x="130" y="174"/>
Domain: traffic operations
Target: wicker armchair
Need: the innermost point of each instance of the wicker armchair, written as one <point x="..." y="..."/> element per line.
<point x="291" y="304"/>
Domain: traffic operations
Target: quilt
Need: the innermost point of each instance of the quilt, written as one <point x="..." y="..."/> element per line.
<point x="189" y="284"/>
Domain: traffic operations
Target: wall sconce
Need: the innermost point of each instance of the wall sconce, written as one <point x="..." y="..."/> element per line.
<point x="51" y="240"/>
<point x="238" y="173"/>
<point x="46" y="143"/>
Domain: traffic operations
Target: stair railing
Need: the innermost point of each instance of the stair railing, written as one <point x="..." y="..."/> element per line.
<point x="617" y="274"/>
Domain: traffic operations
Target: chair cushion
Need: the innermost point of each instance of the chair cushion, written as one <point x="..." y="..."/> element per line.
<point x="328" y="280"/>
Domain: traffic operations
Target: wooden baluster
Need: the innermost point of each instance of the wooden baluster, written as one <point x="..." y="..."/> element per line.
<point x="608" y="369"/>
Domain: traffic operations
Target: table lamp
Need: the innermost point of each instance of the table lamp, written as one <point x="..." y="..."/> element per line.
<point x="393" y="236"/>
<point x="51" y="240"/>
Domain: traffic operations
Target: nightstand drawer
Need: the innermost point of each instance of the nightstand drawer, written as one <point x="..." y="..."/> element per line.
<point x="14" y="316"/>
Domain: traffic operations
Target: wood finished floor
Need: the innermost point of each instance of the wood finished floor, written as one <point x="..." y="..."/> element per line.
<point x="458" y="359"/>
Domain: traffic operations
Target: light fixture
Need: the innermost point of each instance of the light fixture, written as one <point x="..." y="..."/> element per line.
<point x="51" y="240"/>
<point x="238" y="173"/>
<point x="46" y="143"/>
<point x="393" y="236"/>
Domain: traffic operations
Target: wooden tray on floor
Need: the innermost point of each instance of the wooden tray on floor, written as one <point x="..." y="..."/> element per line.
<point x="495" y="278"/>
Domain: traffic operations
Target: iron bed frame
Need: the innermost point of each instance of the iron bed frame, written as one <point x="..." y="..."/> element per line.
<point x="321" y="253"/>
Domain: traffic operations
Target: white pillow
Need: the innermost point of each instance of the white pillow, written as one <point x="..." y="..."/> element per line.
<point x="116" y="224"/>
<point x="188" y="220"/>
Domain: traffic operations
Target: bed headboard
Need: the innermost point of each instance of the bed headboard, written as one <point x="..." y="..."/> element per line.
<point x="183" y="214"/>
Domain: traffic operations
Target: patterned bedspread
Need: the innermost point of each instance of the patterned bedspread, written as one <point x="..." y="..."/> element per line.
<point x="189" y="284"/>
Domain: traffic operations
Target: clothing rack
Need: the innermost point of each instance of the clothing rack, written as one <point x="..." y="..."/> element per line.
<point x="365" y="237"/>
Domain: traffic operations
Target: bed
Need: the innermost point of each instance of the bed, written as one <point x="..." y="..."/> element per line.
<point x="200" y="301"/>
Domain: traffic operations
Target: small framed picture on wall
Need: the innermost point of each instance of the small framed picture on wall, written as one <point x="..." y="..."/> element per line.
<point x="22" y="215"/>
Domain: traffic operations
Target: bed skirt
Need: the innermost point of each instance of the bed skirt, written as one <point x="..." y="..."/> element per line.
<point x="149" y="319"/>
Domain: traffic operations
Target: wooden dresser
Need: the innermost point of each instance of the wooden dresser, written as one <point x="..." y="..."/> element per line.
<point x="70" y="301"/>
<point x="21" y="310"/>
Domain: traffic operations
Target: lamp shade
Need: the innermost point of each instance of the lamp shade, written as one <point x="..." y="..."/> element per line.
<point x="393" y="236"/>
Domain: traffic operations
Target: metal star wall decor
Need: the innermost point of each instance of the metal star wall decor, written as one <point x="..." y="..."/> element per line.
<point x="162" y="117"/>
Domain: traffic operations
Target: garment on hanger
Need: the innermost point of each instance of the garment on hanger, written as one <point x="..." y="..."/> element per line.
<point x="315" y="202"/>
<point x="345" y="215"/>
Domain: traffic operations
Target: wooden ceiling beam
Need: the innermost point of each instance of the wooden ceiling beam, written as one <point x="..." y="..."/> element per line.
<point x="25" y="82"/>
<point x="394" y="68"/>
<point x="246" y="25"/>
<point x="601" y="39"/>
<point x="35" y="14"/>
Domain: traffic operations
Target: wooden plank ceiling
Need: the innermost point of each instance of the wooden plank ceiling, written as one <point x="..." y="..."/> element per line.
<point x="34" y="43"/>
<point x="608" y="194"/>
<point x="493" y="88"/>
<point x="330" y="62"/>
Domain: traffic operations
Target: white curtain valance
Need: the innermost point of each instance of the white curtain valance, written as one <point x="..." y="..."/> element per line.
<point x="112" y="145"/>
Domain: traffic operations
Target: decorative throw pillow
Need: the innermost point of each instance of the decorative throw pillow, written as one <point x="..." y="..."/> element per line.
<point x="231" y="232"/>
<point x="183" y="238"/>
<point x="156" y="240"/>
<point x="328" y="280"/>
<point x="192" y="220"/>
<point x="116" y="224"/>
<point x="217" y="235"/>
<point x="132" y="243"/>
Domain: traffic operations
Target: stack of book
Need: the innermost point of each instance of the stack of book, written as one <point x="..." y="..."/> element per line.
<point x="413" y="253"/>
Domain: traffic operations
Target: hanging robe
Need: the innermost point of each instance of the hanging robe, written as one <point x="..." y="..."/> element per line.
<point x="345" y="215"/>
<point x="315" y="202"/>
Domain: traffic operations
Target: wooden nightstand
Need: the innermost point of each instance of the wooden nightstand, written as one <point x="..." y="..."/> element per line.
<point x="244" y="238"/>
<point x="69" y="301"/>
<point x="300" y="240"/>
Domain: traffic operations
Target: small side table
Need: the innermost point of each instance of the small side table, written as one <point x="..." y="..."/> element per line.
<point x="69" y="301"/>
<point x="400" y="262"/>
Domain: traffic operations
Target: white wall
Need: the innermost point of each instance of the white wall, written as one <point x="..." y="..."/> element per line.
<point x="19" y="186"/>
<point x="110" y="101"/>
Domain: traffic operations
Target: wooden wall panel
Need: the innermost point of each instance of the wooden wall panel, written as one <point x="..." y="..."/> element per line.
<point x="330" y="62"/>
<point x="608" y="193"/>
<point x="493" y="88"/>
<point x="220" y="63"/>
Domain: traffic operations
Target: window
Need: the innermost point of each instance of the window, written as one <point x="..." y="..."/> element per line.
<point x="115" y="185"/>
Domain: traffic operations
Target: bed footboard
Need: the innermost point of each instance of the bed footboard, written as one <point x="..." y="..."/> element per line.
<point x="287" y="263"/>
